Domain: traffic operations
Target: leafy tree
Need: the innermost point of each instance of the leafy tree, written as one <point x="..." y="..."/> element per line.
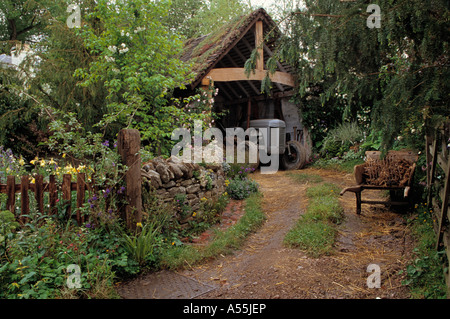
<point x="24" y="20"/>
<point x="135" y="58"/>
<point x="193" y="18"/>
<point x="398" y="71"/>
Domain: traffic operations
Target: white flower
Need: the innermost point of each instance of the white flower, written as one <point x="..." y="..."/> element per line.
<point x="109" y="58"/>
<point x="122" y="32"/>
<point x="124" y="48"/>
<point x="112" y="48"/>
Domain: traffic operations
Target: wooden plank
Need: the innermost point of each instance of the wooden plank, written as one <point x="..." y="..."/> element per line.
<point x="53" y="194"/>
<point x="238" y="74"/>
<point x="432" y="169"/>
<point x="259" y="41"/>
<point x="11" y="193"/>
<point x="39" y="192"/>
<point x="444" y="206"/>
<point x="442" y="162"/>
<point x="24" y="198"/>
<point x="67" y="194"/>
<point x="81" y="187"/>
<point x="428" y="143"/>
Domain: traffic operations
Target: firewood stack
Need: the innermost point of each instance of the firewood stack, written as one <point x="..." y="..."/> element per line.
<point x="390" y="171"/>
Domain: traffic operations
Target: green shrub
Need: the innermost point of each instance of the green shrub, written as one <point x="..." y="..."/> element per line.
<point x="239" y="171"/>
<point x="339" y="139"/>
<point x="241" y="188"/>
<point x="36" y="261"/>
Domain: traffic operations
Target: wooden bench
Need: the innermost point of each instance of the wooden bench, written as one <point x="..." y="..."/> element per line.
<point x="394" y="173"/>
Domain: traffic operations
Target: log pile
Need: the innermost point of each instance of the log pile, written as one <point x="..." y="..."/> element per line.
<point x="388" y="172"/>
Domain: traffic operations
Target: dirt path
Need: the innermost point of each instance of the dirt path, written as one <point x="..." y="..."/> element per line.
<point x="264" y="268"/>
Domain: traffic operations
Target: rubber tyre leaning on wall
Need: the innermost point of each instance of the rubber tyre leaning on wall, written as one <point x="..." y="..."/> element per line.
<point x="297" y="159"/>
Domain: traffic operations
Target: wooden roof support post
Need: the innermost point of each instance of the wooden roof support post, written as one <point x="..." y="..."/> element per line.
<point x="259" y="42"/>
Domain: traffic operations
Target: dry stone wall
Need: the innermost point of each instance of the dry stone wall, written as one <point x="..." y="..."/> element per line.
<point x="169" y="177"/>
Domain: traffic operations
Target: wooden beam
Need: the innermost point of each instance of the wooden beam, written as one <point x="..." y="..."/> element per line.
<point x="236" y="66"/>
<point x="238" y="74"/>
<point x="259" y="41"/>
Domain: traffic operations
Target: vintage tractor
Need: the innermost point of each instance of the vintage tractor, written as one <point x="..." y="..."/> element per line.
<point x="292" y="153"/>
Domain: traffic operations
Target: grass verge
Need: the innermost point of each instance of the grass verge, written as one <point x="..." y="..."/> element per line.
<point x="315" y="231"/>
<point x="345" y="166"/>
<point x="425" y="275"/>
<point x="301" y="177"/>
<point x="223" y="242"/>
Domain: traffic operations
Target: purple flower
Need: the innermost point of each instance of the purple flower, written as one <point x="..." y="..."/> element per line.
<point x="121" y="190"/>
<point x="105" y="143"/>
<point x="88" y="225"/>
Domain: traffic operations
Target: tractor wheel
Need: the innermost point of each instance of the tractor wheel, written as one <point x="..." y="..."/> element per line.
<point x="297" y="159"/>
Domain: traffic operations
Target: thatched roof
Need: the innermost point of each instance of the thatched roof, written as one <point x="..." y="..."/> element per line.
<point x="206" y="51"/>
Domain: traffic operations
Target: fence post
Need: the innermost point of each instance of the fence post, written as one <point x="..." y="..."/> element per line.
<point x="11" y="194"/>
<point x="129" y="145"/>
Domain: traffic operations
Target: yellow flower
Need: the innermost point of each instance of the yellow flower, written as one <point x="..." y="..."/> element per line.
<point x="33" y="181"/>
<point x="64" y="155"/>
<point x="34" y="160"/>
<point x="21" y="161"/>
<point x="173" y="243"/>
<point x="225" y="193"/>
<point x="203" y="199"/>
<point x="52" y="161"/>
<point x="80" y="168"/>
<point x="43" y="162"/>
<point x="194" y="214"/>
<point x="15" y="284"/>
<point x="139" y="225"/>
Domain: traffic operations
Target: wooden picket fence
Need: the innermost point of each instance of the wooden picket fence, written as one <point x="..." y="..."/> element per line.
<point x="438" y="184"/>
<point x="56" y="192"/>
<point x="128" y="146"/>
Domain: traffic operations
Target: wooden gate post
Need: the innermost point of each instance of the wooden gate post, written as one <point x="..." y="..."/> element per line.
<point x="129" y="145"/>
